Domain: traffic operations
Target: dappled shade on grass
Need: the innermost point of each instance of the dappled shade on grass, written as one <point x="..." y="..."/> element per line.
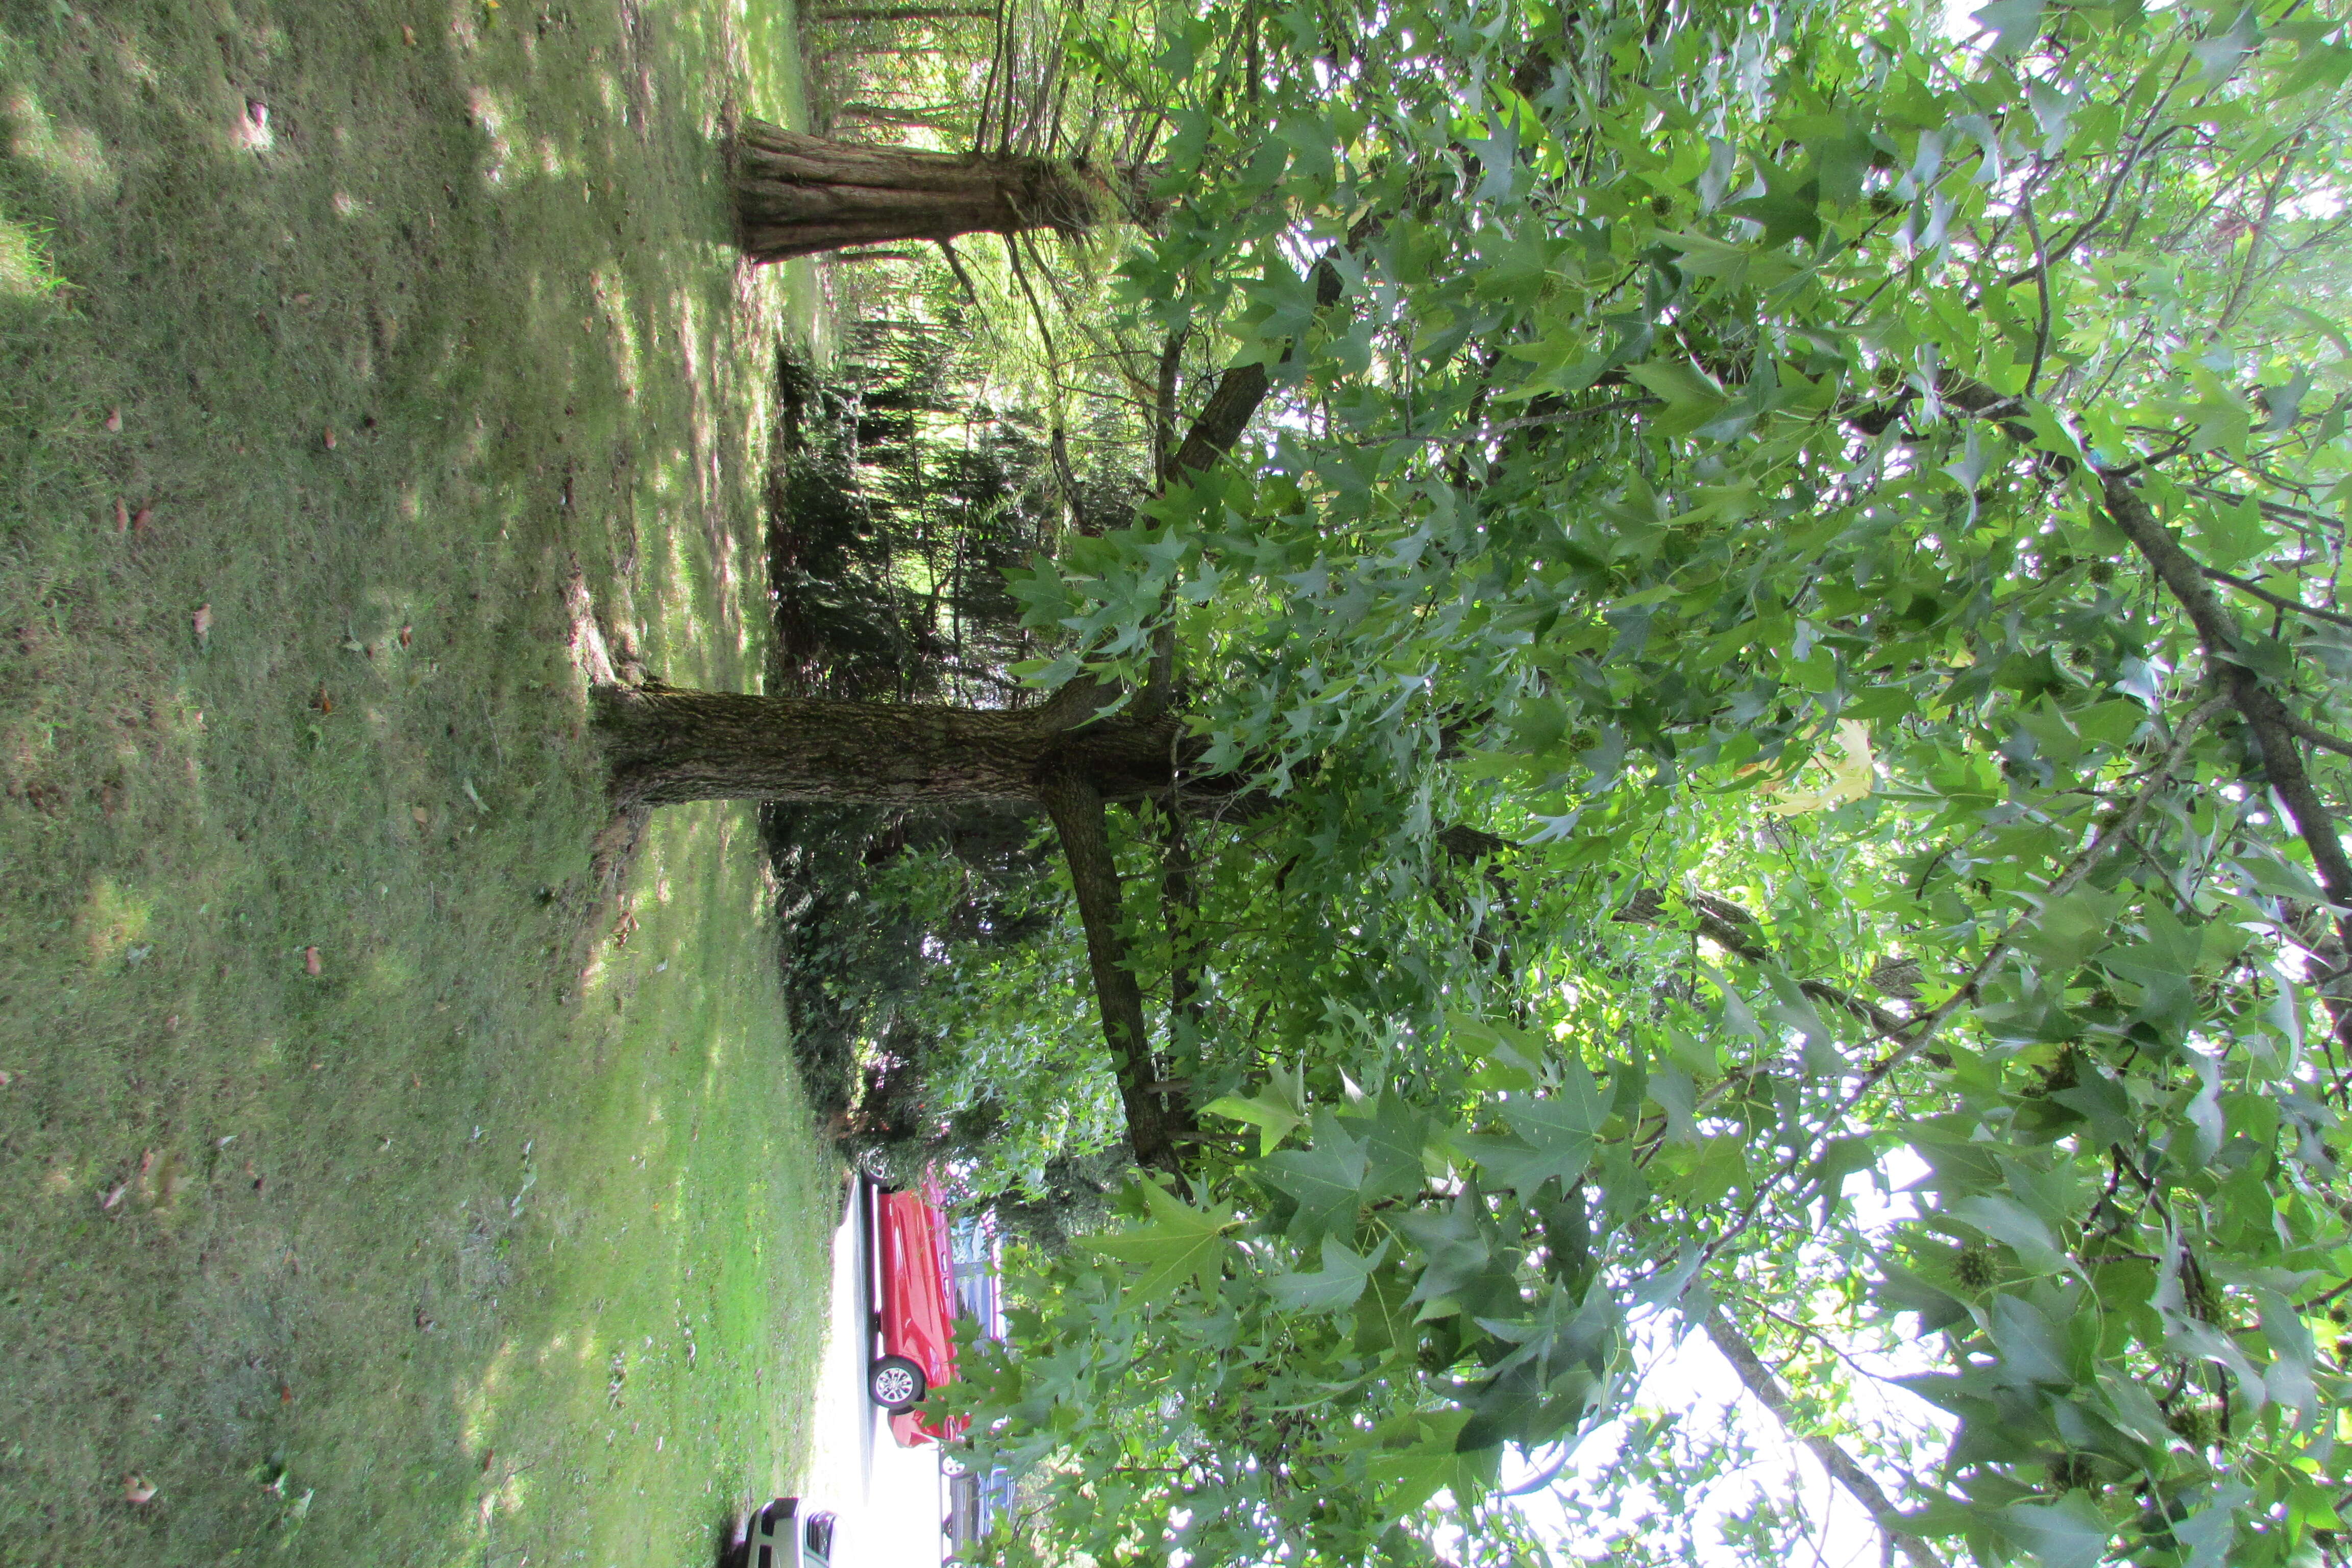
<point x="365" y="1164"/>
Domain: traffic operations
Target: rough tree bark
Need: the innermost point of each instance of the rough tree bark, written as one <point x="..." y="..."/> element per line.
<point x="800" y="196"/>
<point x="665" y="746"/>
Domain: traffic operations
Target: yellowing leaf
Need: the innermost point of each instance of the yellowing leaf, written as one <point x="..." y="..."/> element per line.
<point x="1851" y="767"/>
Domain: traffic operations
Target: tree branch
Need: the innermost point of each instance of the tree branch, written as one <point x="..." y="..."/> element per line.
<point x="1080" y="823"/>
<point x="1727" y="935"/>
<point x="2041" y="286"/>
<point x="1921" y="1030"/>
<point x="2266" y="716"/>
<point x="955" y="265"/>
<point x="1180" y="909"/>
<point x="1163" y="405"/>
<point x="2279" y="601"/>
<point x="1916" y="1033"/>
<point x="2325" y="739"/>
<point x="1234" y="401"/>
<point x="1858" y="1483"/>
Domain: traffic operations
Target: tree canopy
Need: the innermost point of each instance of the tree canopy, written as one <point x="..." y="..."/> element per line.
<point x="1747" y="645"/>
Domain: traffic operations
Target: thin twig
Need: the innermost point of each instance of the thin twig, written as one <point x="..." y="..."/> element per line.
<point x="2102" y="839"/>
<point x="955" y="265"/>
<point x="2279" y="600"/>
<point x="1920" y="1031"/>
<point x="2314" y="734"/>
<point x="1532" y="421"/>
<point x="2042" y="284"/>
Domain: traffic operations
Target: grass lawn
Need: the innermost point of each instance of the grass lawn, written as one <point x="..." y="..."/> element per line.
<point x="375" y="1186"/>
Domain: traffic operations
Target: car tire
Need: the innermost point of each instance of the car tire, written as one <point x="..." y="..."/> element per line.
<point x="894" y="1384"/>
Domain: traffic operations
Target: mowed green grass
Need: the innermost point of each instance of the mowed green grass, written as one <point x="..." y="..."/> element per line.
<point x="374" y="1185"/>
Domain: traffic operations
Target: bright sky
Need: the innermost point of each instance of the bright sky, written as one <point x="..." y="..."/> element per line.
<point x="1692" y="1379"/>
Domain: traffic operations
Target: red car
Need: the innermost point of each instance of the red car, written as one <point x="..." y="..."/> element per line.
<point x="915" y="1308"/>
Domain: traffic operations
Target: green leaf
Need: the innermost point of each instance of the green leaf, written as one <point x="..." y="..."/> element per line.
<point x="1385" y="1313"/>
<point x="2013" y="22"/>
<point x="2069" y="1533"/>
<point x="1335" y="1287"/>
<point x="1417" y="1458"/>
<point x="1275" y="1111"/>
<point x="2066" y="931"/>
<point x="2006" y="1220"/>
<point x="1179" y="1244"/>
<point x="1555" y="1134"/>
<point x="2311" y="318"/>
<point x="1327" y="1180"/>
<point x="1692" y="397"/>
<point x="2320" y="66"/>
<point x="1456" y="1248"/>
<point x="1394" y="1139"/>
<point x="1789" y="209"/>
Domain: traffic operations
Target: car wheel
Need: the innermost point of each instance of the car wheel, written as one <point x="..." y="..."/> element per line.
<point x="895" y="1383"/>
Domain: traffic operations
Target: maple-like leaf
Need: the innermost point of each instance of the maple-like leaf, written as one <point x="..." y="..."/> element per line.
<point x="1178" y="1243"/>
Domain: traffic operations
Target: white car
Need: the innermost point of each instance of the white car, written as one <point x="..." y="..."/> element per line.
<point x="786" y="1535"/>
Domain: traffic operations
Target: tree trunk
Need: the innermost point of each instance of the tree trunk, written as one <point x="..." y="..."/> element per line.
<point x="907" y="13"/>
<point x="800" y="196"/>
<point x="1153" y="1124"/>
<point x="665" y="747"/>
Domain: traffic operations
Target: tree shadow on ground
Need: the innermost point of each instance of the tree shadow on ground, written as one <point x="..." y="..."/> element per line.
<point x="352" y="337"/>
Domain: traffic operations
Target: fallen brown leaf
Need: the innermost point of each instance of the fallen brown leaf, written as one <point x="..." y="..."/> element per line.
<point x="310" y="965"/>
<point x="202" y="621"/>
<point x="285" y="1394"/>
<point x="122" y="515"/>
<point x="113" y="1197"/>
<point x="140" y="518"/>
<point x="137" y="1489"/>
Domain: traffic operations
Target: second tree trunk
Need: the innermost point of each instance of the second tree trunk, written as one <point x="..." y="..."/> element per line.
<point x="799" y="196"/>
